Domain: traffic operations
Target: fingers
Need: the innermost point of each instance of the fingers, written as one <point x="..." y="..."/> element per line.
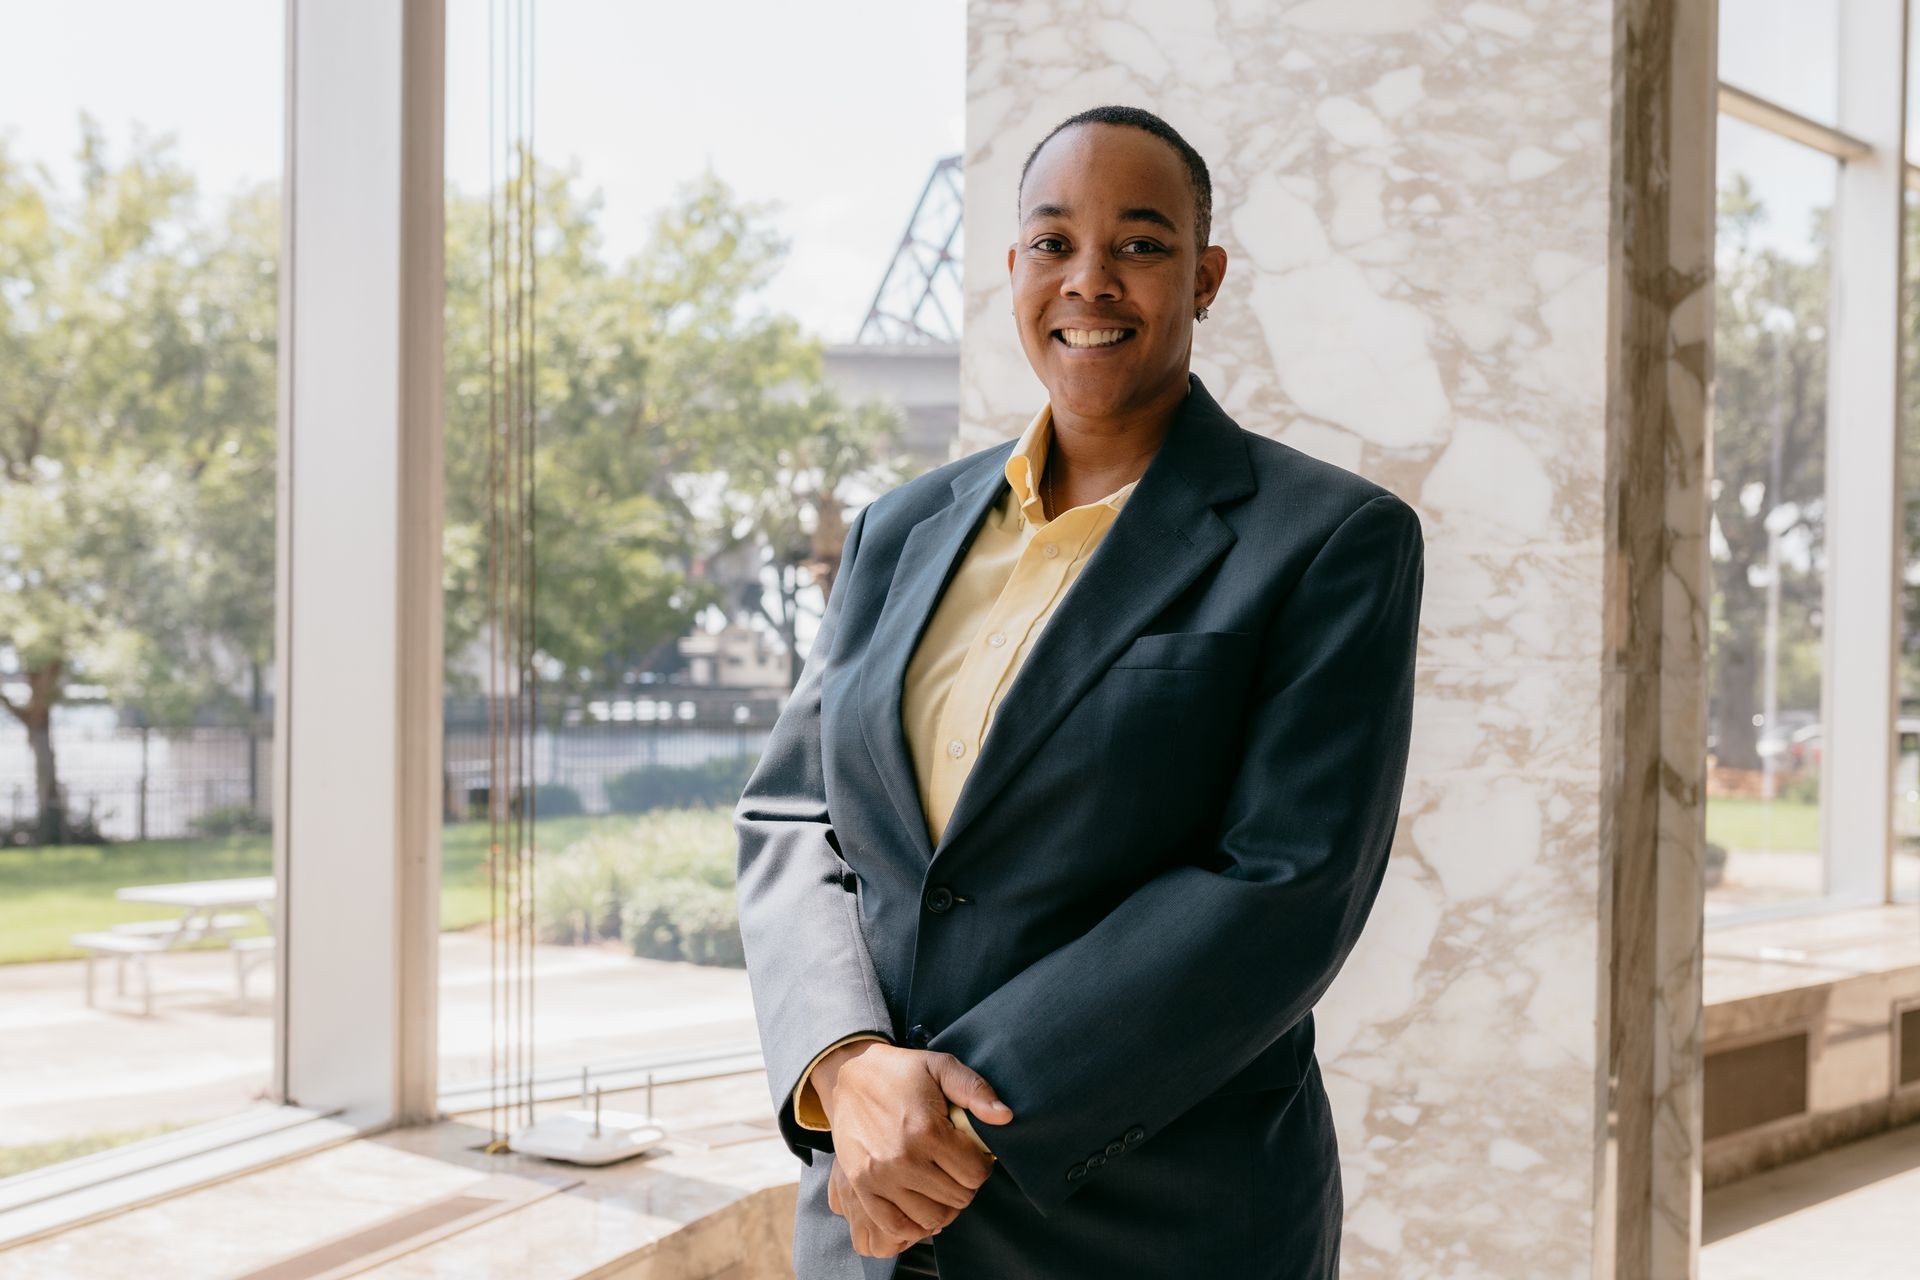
<point x="964" y="1085"/>
<point x="874" y="1243"/>
<point x="903" y="1170"/>
<point x="869" y="1237"/>
<point x="906" y="1213"/>
<point x="964" y="1163"/>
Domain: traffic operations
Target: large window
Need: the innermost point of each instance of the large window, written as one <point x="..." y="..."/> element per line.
<point x="1814" y="778"/>
<point x="139" y="249"/>
<point x="1768" y="501"/>
<point x="746" y="317"/>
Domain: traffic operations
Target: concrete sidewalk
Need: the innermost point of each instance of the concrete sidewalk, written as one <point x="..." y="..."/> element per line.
<point x="71" y="1071"/>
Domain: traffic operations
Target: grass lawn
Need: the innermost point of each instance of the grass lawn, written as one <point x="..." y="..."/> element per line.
<point x="35" y="1155"/>
<point x="1761" y="824"/>
<point x="47" y="894"/>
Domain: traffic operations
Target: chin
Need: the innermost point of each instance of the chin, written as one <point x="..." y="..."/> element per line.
<point x="1094" y="393"/>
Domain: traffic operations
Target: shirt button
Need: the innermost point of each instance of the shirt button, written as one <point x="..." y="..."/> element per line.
<point x="956" y="748"/>
<point x="1048" y="550"/>
<point x="997" y="639"/>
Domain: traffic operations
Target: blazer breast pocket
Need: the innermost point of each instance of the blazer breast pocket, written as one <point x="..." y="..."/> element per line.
<point x="1187" y="650"/>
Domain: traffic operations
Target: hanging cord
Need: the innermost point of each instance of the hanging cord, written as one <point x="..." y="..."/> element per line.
<point x="512" y="679"/>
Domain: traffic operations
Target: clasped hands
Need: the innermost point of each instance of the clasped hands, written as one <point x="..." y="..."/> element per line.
<point x="901" y="1170"/>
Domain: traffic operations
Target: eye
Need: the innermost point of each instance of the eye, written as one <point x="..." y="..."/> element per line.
<point x="1044" y="241"/>
<point x="1146" y="247"/>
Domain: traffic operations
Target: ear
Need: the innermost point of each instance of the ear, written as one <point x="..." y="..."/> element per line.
<point x="1013" y="252"/>
<point x="1212" y="269"/>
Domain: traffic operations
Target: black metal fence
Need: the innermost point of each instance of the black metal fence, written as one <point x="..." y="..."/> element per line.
<point x="151" y="784"/>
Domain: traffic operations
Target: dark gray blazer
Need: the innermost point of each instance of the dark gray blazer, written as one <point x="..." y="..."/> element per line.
<point x="1175" y="829"/>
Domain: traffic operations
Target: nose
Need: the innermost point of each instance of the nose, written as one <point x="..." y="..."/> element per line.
<point x="1090" y="276"/>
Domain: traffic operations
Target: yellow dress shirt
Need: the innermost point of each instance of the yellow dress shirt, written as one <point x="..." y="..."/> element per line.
<point x="1000" y="598"/>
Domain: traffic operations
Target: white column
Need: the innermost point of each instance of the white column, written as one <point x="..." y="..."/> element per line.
<point x="1863" y="503"/>
<point x="357" y="752"/>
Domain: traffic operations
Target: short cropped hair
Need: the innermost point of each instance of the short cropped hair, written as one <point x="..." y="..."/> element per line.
<point x="1138" y="118"/>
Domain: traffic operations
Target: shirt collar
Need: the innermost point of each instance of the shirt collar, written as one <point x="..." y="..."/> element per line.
<point x="1027" y="463"/>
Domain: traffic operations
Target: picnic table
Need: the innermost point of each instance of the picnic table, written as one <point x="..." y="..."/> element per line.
<point x="208" y="909"/>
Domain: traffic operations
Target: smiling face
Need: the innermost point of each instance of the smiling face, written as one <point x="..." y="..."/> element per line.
<point x="1107" y="271"/>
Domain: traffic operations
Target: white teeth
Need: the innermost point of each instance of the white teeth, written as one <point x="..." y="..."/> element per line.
<point x="1092" y="337"/>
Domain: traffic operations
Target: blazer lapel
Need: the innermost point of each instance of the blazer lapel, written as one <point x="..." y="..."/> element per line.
<point x="1163" y="538"/>
<point x="934" y="548"/>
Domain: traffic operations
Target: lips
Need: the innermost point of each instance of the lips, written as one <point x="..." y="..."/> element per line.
<point x="1088" y="339"/>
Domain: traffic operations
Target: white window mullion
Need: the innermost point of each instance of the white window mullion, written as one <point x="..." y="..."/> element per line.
<point x="1859" y="691"/>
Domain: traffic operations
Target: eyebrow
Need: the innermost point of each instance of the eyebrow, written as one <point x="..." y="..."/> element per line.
<point x="1139" y="213"/>
<point x="1148" y="214"/>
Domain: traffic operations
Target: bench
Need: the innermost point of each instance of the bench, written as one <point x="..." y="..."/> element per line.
<point x="247" y="954"/>
<point x="136" y="940"/>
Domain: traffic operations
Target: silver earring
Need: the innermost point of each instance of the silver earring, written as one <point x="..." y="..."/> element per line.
<point x="1201" y="314"/>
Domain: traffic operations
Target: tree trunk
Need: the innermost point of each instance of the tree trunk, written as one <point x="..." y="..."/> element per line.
<point x="43" y="684"/>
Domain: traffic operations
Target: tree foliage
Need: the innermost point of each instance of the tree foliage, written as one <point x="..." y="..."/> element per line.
<point x="690" y="453"/>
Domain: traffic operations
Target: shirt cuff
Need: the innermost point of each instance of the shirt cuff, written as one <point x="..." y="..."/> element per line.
<point x="807" y="1111"/>
<point x="964" y="1123"/>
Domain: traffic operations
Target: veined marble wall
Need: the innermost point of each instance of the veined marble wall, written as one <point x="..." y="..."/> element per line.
<point x="1414" y="198"/>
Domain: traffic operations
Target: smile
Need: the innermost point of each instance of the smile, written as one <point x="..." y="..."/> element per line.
<point x="1081" y="339"/>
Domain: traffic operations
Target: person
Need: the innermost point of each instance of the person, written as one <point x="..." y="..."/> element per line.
<point x="1083" y="795"/>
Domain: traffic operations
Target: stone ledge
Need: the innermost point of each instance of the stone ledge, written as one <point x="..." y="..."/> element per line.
<point x="717" y="1202"/>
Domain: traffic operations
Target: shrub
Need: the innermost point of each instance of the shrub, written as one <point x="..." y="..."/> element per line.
<point x="230" y="820"/>
<point x="552" y="800"/>
<point x="77" y="829"/>
<point x="683" y="919"/>
<point x="1801" y="789"/>
<point x="583" y="889"/>
<point x="577" y="894"/>
<point x="712" y="783"/>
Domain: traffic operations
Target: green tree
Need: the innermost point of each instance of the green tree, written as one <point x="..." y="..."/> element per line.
<point x="689" y="450"/>
<point x="136" y="437"/>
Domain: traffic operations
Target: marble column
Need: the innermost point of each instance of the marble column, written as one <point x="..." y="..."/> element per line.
<point x="1457" y="266"/>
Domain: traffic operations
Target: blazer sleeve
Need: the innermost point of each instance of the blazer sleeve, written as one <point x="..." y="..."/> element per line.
<point x="1198" y="970"/>
<point x="811" y="978"/>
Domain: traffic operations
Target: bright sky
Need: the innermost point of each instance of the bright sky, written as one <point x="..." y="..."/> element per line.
<point x="837" y="109"/>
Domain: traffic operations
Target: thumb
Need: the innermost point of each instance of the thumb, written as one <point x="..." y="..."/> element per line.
<point x="965" y="1086"/>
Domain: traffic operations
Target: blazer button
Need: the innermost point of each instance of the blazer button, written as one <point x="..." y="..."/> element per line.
<point x="919" y="1036"/>
<point x="1135" y="1134"/>
<point x="1076" y="1173"/>
<point x="1095" y="1160"/>
<point x="939" y="898"/>
<point x="1116" y="1148"/>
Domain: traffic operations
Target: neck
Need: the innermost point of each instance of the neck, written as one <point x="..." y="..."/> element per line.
<point x="1088" y="457"/>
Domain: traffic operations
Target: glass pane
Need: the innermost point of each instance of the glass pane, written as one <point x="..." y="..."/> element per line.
<point x="714" y="408"/>
<point x="1906" y="782"/>
<point x="1769" y="475"/>
<point x="1787" y="51"/>
<point x="139" y="244"/>
<point x="1913" y="93"/>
